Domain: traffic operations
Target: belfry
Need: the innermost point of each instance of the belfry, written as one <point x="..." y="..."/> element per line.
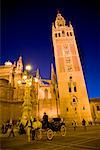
<point x="74" y="102"/>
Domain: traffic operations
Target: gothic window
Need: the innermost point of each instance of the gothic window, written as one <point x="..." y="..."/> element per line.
<point x="63" y="33"/>
<point x="70" y="77"/>
<point x="70" y="33"/>
<point x="74" y="84"/>
<point x="69" y="87"/>
<point x="55" y="34"/>
<point x="67" y="109"/>
<point x="59" y="34"/>
<point x="74" y="100"/>
<point x="75" y="109"/>
<point x="67" y="34"/>
<point x="75" y="89"/>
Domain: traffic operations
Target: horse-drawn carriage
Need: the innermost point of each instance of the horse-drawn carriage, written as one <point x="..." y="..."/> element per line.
<point x="56" y="125"/>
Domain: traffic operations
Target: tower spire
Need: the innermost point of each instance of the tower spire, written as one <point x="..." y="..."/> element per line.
<point x="58" y="12"/>
<point x="53" y="75"/>
<point x="37" y="73"/>
<point x="20" y="64"/>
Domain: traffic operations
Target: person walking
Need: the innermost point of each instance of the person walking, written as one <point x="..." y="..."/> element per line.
<point x="11" y="131"/>
<point x="45" y="121"/>
<point x="74" y="125"/>
<point x="84" y="123"/>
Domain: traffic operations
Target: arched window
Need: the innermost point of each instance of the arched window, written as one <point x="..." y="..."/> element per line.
<point x="67" y="34"/>
<point x="70" y="33"/>
<point x="74" y="84"/>
<point x="74" y="100"/>
<point x="67" y="109"/>
<point x="55" y="34"/>
<point x="59" y="34"/>
<point x="63" y="33"/>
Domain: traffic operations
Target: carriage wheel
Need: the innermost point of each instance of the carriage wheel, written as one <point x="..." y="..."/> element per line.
<point x="50" y="134"/>
<point x="63" y="130"/>
<point x="39" y="134"/>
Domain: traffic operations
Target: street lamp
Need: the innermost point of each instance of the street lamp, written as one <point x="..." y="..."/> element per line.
<point x="28" y="67"/>
<point x="27" y="106"/>
<point x="37" y="88"/>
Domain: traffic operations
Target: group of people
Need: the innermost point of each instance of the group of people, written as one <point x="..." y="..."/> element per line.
<point x="8" y="127"/>
<point x="75" y="125"/>
<point x="32" y="126"/>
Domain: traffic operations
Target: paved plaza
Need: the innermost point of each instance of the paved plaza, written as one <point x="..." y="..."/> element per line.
<point x="74" y="140"/>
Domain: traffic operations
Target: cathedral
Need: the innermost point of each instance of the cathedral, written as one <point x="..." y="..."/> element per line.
<point x="63" y="95"/>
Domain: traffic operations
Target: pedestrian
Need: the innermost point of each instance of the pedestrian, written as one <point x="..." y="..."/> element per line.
<point x="45" y="121"/>
<point x="84" y="123"/>
<point x="74" y="125"/>
<point x="3" y="129"/>
<point x="11" y="130"/>
<point x="34" y="127"/>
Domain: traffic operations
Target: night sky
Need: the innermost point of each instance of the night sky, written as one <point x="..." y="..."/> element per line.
<point x="26" y="30"/>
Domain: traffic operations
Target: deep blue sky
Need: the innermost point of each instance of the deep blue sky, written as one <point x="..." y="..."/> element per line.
<point x="26" y="30"/>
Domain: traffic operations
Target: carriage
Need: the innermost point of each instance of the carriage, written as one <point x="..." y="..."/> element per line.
<point x="56" y="125"/>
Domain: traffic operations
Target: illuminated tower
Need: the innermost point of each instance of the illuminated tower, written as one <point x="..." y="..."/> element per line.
<point x="74" y="103"/>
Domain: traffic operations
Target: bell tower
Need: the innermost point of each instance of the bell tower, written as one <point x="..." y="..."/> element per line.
<point x="74" y="102"/>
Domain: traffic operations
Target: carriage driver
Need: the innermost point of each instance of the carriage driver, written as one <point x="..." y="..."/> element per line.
<point x="45" y="121"/>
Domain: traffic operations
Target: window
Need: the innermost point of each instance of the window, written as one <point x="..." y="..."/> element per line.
<point x="74" y="100"/>
<point x="63" y="33"/>
<point x="98" y="108"/>
<point x="67" y="34"/>
<point x="55" y="34"/>
<point x="67" y="109"/>
<point x="75" y="109"/>
<point x="70" y="33"/>
<point x="70" y="77"/>
<point x="83" y="108"/>
<point x="59" y="34"/>
<point x="70" y="89"/>
<point x="74" y="84"/>
<point x="75" y="89"/>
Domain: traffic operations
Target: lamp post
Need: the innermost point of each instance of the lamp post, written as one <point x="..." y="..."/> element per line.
<point x="37" y="84"/>
<point x="27" y="106"/>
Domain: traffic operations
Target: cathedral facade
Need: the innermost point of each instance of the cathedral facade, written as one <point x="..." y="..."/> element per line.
<point x="64" y="94"/>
